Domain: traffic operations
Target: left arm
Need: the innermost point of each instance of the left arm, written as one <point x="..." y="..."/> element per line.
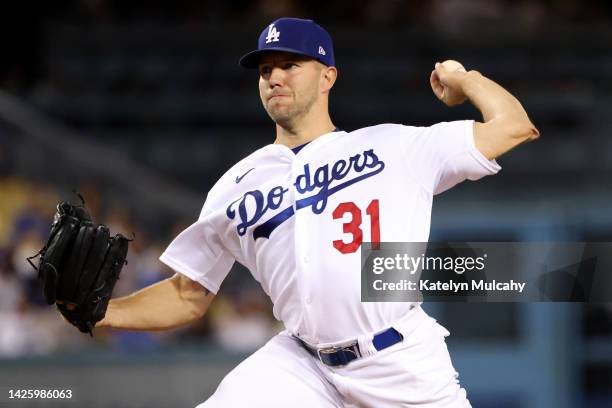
<point x="506" y="124"/>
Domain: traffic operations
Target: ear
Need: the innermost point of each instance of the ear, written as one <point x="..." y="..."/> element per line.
<point x="328" y="78"/>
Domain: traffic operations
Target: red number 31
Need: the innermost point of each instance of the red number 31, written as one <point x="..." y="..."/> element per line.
<point x="352" y="227"/>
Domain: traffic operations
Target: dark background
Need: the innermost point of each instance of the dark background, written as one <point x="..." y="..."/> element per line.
<point x="141" y="106"/>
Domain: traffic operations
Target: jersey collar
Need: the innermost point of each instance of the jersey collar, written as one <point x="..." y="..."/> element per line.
<point x="296" y="149"/>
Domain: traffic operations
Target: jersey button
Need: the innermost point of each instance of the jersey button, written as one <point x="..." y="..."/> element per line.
<point x="306" y="259"/>
<point x="308" y="300"/>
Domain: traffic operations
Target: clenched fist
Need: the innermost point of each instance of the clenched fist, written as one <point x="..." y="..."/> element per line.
<point x="446" y="82"/>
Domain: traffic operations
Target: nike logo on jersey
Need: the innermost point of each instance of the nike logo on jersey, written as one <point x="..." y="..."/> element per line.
<point x="253" y="205"/>
<point x="239" y="178"/>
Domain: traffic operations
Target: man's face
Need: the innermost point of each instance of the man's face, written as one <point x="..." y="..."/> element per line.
<point x="289" y="85"/>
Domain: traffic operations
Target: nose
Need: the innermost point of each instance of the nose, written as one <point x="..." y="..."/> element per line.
<point x="277" y="77"/>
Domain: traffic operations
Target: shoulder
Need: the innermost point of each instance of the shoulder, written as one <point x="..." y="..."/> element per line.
<point x="397" y="130"/>
<point x="458" y="128"/>
<point x="384" y="129"/>
<point x="390" y="129"/>
<point x="452" y="126"/>
<point x="416" y="140"/>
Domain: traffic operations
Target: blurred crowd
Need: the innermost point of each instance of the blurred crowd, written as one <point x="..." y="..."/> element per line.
<point x="368" y="12"/>
<point x="27" y="20"/>
<point x="238" y="321"/>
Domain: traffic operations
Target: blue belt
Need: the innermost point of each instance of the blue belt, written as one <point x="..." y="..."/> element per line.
<point x="342" y="355"/>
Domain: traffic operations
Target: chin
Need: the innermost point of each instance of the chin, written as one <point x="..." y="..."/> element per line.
<point x="283" y="121"/>
<point x="281" y="115"/>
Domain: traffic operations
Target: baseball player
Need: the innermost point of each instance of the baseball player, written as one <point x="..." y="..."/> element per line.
<point x="295" y="213"/>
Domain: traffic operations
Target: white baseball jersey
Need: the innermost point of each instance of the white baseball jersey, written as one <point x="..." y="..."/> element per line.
<point x="296" y="221"/>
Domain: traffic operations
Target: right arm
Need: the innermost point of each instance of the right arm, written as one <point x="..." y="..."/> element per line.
<point x="506" y="124"/>
<point x="173" y="302"/>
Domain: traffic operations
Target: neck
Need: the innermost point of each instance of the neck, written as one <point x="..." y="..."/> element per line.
<point x="304" y="130"/>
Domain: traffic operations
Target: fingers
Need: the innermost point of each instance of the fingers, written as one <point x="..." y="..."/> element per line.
<point x="440" y="70"/>
<point x="449" y="72"/>
<point x="436" y="84"/>
<point x="446" y="81"/>
<point x="442" y="73"/>
<point x="439" y="80"/>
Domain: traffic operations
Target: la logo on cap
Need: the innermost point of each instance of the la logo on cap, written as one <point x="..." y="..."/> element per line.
<point x="273" y="34"/>
<point x="301" y="37"/>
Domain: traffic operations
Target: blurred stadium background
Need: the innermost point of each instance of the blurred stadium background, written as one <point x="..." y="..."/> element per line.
<point x="141" y="106"/>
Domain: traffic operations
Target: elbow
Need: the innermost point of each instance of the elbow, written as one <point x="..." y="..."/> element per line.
<point x="195" y="307"/>
<point x="524" y="131"/>
<point x="195" y="299"/>
<point x="531" y="133"/>
<point x="196" y="304"/>
<point x="196" y="312"/>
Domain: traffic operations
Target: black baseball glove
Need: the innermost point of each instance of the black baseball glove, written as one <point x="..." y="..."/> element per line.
<point x="79" y="265"/>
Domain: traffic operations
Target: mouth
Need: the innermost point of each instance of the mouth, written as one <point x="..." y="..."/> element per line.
<point x="277" y="96"/>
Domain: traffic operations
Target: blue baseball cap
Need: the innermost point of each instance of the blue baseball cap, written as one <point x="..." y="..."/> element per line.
<point x="294" y="35"/>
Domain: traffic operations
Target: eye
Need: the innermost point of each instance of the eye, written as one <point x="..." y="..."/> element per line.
<point x="289" y="65"/>
<point x="265" y="70"/>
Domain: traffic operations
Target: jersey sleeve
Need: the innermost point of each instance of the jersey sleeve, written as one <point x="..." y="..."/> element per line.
<point x="198" y="253"/>
<point x="443" y="155"/>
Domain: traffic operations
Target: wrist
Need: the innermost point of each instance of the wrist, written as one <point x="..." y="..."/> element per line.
<point x="110" y="317"/>
<point x="472" y="84"/>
